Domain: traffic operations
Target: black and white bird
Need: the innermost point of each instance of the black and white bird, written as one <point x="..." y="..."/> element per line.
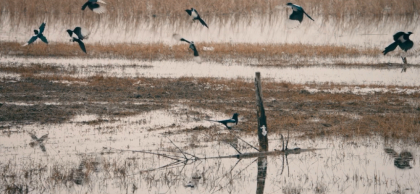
<point x="79" y="32"/>
<point x="81" y="44"/>
<point x="401" y="39"/>
<point x="192" y="47"/>
<point x="38" y="141"/>
<point x="229" y="123"/>
<point x="297" y="13"/>
<point x="95" y="6"/>
<point x="38" y="34"/>
<point x="195" y="16"/>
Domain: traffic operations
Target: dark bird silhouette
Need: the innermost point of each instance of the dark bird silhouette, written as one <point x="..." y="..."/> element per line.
<point x="401" y="160"/>
<point x="95" y="6"/>
<point x="229" y="123"/>
<point x="195" y="16"/>
<point x="192" y="47"/>
<point x="81" y="44"/>
<point x="81" y="34"/>
<point x="401" y="39"/>
<point x="297" y="13"/>
<point x="38" y="34"/>
<point x="38" y="141"/>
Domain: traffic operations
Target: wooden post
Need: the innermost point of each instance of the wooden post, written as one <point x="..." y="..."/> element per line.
<point x="262" y="120"/>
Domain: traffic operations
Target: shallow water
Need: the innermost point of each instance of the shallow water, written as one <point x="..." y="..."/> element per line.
<point x="363" y="165"/>
<point x="390" y="75"/>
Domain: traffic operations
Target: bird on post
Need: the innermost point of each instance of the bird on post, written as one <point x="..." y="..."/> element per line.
<point x="195" y="16"/>
<point x="38" y="34"/>
<point x="297" y="13"/>
<point x="229" y="123"/>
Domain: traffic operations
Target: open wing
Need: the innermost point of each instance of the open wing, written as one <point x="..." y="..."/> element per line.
<point x="41" y="28"/>
<point x="390" y="48"/>
<point x="398" y="35"/>
<point x="33" y="136"/>
<point x="42" y="37"/>
<point x="178" y="37"/>
<point x="33" y="38"/>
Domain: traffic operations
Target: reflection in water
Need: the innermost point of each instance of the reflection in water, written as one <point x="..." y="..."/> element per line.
<point x="38" y="141"/>
<point x="402" y="160"/>
<point x="262" y="174"/>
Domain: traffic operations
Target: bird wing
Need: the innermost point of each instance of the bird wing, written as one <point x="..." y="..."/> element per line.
<point x="192" y="47"/>
<point x="202" y="22"/>
<point x="44" y="137"/>
<point x="178" y="37"/>
<point x="41" y="145"/>
<point x="406" y="45"/>
<point x="296" y="15"/>
<point x="33" y="38"/>
<point x="70" y="32"/>
<point x="78" y="32"/>
<point x="81" y="44"/>
<point x="85" y="5"/>
<point x="42" y="37"/>
<point x="41" y="28"/>
<point x="398" y="35"/>
<point x="97" y="8"/>
<point x="33" y="136"/>
<point x="308" y="16"/>
<point x="390" y="48"/>
<point x="194" y="13"/>
<point x="188" y="11"/>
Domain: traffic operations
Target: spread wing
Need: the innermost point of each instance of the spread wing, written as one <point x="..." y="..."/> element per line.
<point x="41" y="28"/>
<point x="85" y="5"/>
<point x="398" y="35"/>
<point x="78" y="32"/>
<point x="178" y="37"/>
<point x="33" y="136"/>
<point x="43" y="137"/>
<point x="33" y="38"/>
<point x="390" y="48"/>
<point x="42" y="37"/>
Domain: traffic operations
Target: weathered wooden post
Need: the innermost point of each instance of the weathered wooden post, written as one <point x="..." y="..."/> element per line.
<point x="262" y="120"/>
<point x="262" y="135"/>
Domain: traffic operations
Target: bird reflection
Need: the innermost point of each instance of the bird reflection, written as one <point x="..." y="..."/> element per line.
<point x="38" y="141"/>
<point x="402" y="160"/>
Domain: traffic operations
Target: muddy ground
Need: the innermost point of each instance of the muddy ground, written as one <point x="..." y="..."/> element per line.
<point x="49" y="98"/>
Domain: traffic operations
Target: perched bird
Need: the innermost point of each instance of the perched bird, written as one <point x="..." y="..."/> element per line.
<point x="38" y="34"/>
<point x="297" y="13"/>
<point x="400" y="39"/>
<point x="81" y="44"/>
<point x="192" y="47"/>
<point x="38" y="141"/>
<point x="79" y="32"/>
<point x="229" y="123"/>
<point x="95" y="6"/>
<point x="195" y="16"/>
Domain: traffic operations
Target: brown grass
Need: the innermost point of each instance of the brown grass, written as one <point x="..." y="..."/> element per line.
<point x="160" y="51"/>
<point x="23" y="12"/>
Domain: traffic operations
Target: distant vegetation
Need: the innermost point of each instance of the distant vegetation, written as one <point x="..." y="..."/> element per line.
<point x="24" y="12"/>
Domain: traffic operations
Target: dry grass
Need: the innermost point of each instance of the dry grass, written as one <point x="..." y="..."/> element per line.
<point x="273" y="53"/>
<point x="24" y="12"/>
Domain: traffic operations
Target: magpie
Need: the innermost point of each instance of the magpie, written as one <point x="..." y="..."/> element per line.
<point x="95" y="6"/>
<point x="81" y="34"/>
<point x="81" y="44"/>
<point x="38" y="141"/>
<point x="297" y="13"/>
<point x="401" y="39"/>
<point x="195" y="16"/>
<point x="38" y="34"/>
<point x="229" y="123"/>
<point x="192" y="47"/>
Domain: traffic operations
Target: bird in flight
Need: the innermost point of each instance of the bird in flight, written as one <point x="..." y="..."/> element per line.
<point x="81" y="44"/>
<point x="402" y="40"/>
<point x="95" y="6"/>
<point x="192" y="46"/>
<point x="195" y="16"/>
<point x="38" y="141"/>
<point x="229" y="123"/>
<point x="297" y="13"/>
<point x="79" y="32"/>
<point x="38" y="34"/>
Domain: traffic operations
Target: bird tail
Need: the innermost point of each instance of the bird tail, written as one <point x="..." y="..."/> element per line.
<point x="390" y="48"/>
<point x="202" y="22"/>
<point x="308" y="16"/>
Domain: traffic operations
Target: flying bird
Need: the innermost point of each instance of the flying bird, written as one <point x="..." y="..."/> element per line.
<point x="81" y="44"/>
<point x="38" y="141"/>
<point x="38" y="34"/>
<point x="401" y="39"/>
<point x="192" y="47"/>
<point x="297" y="13"/>
<point x="79" y="32"/>
<point x="229" y="123"/>
<point x="195" y="16"/>
<point x="95" y="6"/>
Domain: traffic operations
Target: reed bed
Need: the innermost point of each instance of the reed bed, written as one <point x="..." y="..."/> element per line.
<point x="158" y="51"/>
